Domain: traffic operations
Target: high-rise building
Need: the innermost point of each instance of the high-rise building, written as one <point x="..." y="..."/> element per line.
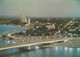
<point x="25" y="20"/>
<point x="28" y="21"/>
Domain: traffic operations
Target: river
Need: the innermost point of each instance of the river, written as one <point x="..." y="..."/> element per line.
<point x="46" y="52"/>
<point x="10" y="28"/>
<point x="4" y="29"/>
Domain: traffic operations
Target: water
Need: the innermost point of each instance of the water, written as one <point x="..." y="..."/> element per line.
<point x="47" y="52"/>
<point x="7" y="29"/>
<point x="10" y="28"/>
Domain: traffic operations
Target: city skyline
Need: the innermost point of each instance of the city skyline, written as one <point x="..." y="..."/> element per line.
<point x="40" y="8"/>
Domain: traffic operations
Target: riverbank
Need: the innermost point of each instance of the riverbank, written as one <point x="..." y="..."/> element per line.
<point x="6" y="29"/>
<point x="55" y="44"/>
<point x="73" y="43"/>
<point x="66" y="44"/>
<point x="70" y="43"/>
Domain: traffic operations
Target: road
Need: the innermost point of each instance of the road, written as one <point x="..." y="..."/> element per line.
<point x="32" y="42"/>
<point x="69" y="23"/>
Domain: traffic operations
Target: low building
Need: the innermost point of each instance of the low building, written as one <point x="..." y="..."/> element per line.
<point x="73" y="29"/>
<point x="50" y="26"/>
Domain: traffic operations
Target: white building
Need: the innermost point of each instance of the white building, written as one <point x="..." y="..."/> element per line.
<point x="50" y="26"/>
<point x="25" y="20"/>
<point x="28" y="21"/>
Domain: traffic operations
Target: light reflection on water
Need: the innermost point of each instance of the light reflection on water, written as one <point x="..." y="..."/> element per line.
<point x="47" y="52"/>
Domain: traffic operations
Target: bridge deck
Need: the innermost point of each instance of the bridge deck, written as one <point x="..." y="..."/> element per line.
<point x="29" y="43"/>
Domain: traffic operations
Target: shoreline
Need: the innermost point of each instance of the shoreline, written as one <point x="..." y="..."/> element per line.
<point x="10" y="35"/>
<point x="58" y="44"/>
<point x="13" y="31"/>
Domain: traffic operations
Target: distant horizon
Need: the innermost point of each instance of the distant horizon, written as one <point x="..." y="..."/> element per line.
<point x="34" y="17"/>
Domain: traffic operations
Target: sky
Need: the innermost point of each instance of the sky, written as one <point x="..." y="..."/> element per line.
<point x="40" y="8"/>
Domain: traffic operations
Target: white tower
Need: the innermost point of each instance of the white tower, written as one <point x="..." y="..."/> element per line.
<point x="28" y="21"/>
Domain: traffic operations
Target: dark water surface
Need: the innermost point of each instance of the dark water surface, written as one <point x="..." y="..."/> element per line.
<point x="47" y="52"/>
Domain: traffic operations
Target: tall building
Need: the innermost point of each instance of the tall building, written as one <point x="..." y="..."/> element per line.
<point x="28" y="21"/>
<point x="25" y="20"/>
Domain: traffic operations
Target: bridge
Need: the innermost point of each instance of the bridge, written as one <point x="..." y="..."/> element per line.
<point x="32" y="42"/>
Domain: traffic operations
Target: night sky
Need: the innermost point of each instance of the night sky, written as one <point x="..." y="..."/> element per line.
<point x="40" y="8"/>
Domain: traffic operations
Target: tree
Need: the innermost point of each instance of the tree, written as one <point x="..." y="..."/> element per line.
<point x="4" y="36"/>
